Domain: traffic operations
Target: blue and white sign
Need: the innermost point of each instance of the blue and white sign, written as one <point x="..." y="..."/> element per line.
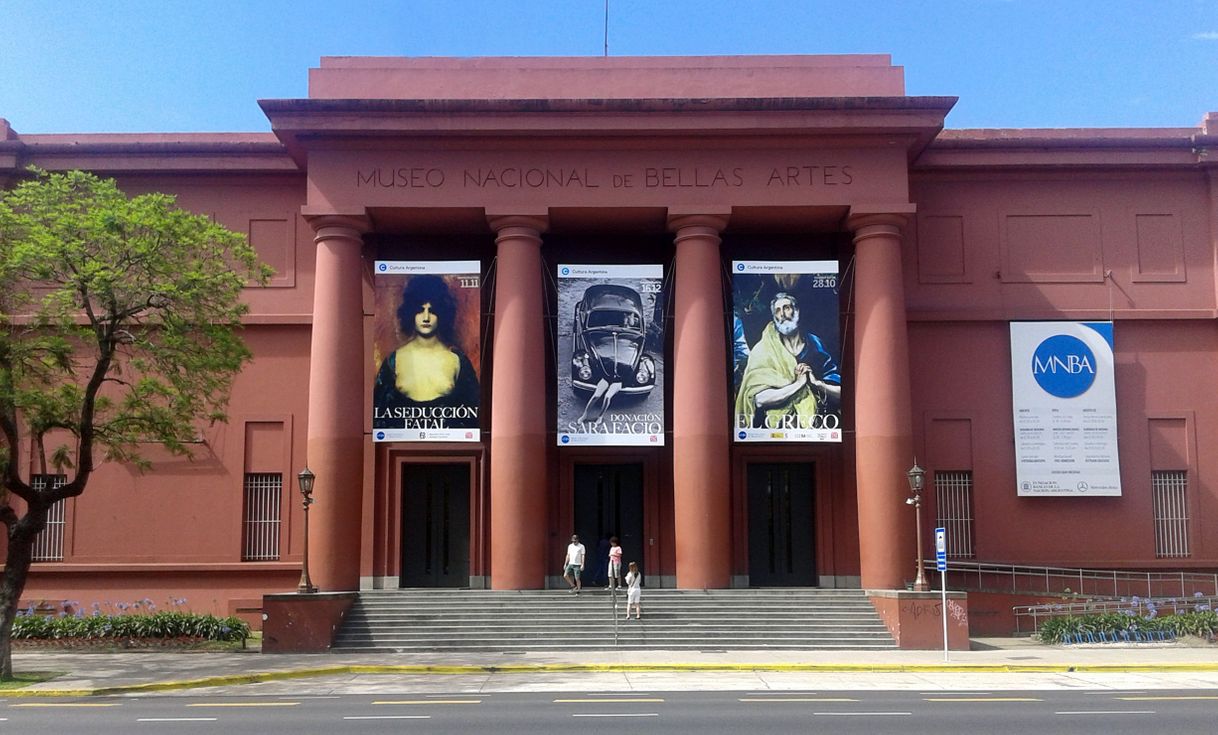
<point x="1064" y="398"/>
<point x="941" y="549"/>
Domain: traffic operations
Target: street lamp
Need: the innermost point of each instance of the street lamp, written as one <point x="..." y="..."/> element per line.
<point x="306" y="478"/>
<point x="916" y="477"/>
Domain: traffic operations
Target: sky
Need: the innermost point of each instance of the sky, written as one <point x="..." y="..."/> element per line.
<point x="186" y="66"/>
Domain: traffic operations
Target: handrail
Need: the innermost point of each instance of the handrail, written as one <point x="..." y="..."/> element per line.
<point x="1139" y="606"/>
<point x="1015" y="578"/>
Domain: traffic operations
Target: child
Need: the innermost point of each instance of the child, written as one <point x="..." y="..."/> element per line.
<point x="634" y="591"/>
<point x="615" y="564"/>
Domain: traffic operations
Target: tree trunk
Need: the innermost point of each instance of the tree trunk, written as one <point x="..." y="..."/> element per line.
<point x="20" y="553"/>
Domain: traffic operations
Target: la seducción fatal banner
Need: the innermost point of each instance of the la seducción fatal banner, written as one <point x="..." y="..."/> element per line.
<point x="1063" y="391"/>
<point x="427" y="351"/>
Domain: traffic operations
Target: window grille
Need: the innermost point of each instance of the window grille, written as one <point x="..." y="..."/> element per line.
<point x="48" y="544"/>
<point x="262" y="516"/>
<point x="954" y="511"/>
<point x="1171" y="513"/>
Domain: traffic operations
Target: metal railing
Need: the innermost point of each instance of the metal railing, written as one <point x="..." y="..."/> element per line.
<point x="1139" y="606"/>
<point x="1109" y="583"/>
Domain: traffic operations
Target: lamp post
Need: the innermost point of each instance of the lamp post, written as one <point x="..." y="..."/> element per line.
<point x="305" y="478"/>
<point x="916" y="477"/>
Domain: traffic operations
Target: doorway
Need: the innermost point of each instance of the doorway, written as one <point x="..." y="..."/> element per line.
<point x="608" y="500"/>
<point x="435" y="525"/>
<point x="781" y="528"/>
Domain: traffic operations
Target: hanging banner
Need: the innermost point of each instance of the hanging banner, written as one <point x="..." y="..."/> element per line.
<point x="1064" y="398"/>
<point x="427" y="351"/>
<point x="610" y="355"/>
<point x="785" y="351"/>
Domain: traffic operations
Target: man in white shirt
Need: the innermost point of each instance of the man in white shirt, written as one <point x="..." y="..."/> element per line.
<point x="573" y="564"/>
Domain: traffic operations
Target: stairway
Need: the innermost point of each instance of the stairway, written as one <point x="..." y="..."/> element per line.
<point x="419" y="620"/>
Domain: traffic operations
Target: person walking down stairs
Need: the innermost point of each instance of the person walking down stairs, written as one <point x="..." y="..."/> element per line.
<point x="634" y="591"/>
<point x="573" y="564"/>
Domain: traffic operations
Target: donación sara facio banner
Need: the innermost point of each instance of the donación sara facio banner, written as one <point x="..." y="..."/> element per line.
<point x="610" y="355"/>
<point x="427" y="351"/>
<point x="786" y="349"/>
<point x="1063" y="391"/>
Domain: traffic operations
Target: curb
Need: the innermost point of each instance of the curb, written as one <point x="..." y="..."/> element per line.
<point x="265" y="676"/>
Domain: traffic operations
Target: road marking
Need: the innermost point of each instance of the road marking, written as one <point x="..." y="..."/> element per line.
<point x="428" y="701"/>
<point x="796" y="699"/>
<point x="387" y="717"/>
<point x="176" y="719"/>
<point x="862" y="714"/>
<point x="618" y="694"/>
<point x="1164" y="698"/>
<point x="1107" y="712"/>
<point x="243" y="704"/>
<point x="983" y="699"/>
<point x="617" y="714"/>
<point x="66" y="704"/>
<point x="637" y="700"/>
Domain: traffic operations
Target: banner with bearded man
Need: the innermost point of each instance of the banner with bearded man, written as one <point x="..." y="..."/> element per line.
<point x="785" y="346"/>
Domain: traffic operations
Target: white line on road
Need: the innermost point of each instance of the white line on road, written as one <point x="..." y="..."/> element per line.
<point x="616" y="714"/>
<point x="1107" y="712"/>
<point x="176" y="719"/>
<point x="618" y="694"/>
<point x="387" y="717"/>
<point x="861" y="714"/>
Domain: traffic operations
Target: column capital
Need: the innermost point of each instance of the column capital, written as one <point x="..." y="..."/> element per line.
<point x="709" y="218"/>
<point x="500" y="221"/>
<point x="889" y="218"/>
<point x="328" y="224"/>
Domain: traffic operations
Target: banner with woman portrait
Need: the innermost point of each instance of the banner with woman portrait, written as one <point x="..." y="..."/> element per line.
<point x="427" y="351"/>
<point x="786" y="351"/>
<point x="610" y="355"/>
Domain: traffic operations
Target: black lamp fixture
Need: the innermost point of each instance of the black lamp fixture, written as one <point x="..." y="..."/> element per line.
<point x="917" y="477"/>
<point x="306" y="478"/>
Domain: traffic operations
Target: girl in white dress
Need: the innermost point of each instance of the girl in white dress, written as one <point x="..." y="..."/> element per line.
<point x="634" y="591"/>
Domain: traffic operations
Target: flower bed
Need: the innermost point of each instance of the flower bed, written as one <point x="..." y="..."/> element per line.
<point x="144" y="629"/>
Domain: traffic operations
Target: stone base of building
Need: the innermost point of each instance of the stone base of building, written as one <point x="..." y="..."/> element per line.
<point x="303" y="623"/>
<point x="915" y="619"/>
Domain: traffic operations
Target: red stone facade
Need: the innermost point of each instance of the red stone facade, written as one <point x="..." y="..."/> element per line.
<point x="943" y="238"/>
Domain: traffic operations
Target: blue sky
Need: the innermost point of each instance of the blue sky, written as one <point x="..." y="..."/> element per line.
<point x="181" y="65"/>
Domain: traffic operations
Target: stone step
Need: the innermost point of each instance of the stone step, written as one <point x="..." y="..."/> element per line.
<point x="554" y="620"/>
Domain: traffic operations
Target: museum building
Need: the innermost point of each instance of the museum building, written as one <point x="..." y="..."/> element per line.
<point x="618" y="249"/>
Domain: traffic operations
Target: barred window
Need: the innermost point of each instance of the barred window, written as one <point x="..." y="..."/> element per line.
<point x="262" y="516"/>
<point x="1171" y="513"/>
<point x="48" y="544"/>
<point x="954" y="511"/>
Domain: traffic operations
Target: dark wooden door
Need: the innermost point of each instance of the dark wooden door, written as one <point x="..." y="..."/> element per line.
<point x="609" y="502"/>
<point x="781" y="544"/>
<point x="435" y="525"/>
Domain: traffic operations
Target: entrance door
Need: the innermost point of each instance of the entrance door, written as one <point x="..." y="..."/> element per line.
<point x="609" y="502"/>
<point x="781" y="544"/>
<point x="435" y="525"/>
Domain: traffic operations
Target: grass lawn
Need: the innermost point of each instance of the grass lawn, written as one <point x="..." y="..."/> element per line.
<point x="23" y="679"/>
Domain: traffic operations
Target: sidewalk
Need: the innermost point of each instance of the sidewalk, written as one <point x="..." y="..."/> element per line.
<point x="1001" y="663"/>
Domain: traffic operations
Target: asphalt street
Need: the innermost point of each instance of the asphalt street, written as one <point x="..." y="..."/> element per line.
<point x="763" y="711"/>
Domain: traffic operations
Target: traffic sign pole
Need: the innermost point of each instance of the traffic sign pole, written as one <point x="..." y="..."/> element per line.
<point x="941" y="565"/>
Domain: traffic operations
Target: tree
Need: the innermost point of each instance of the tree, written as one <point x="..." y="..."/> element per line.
<point x="119" y="321"/>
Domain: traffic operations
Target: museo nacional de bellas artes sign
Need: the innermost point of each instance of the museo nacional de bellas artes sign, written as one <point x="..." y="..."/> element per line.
<point x="427" y="351"/>
<point x="610" y="355"/>
<point x="786" y="351"/>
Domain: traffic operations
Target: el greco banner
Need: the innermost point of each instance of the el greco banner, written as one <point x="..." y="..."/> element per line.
<point x="610" y="355"/>
<point x="786" y="351"/>
<point x="427" y="350"/>
<point x="1063" y="393"/>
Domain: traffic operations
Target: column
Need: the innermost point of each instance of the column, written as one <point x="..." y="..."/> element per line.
<point x="336" y="402"/>
<point x="700" y="421"/>
<point x="883" y="423"/>
<point x="519" y="513"/>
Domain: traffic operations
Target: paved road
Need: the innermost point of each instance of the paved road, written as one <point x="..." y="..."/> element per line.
<point x="672" y="713"/>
